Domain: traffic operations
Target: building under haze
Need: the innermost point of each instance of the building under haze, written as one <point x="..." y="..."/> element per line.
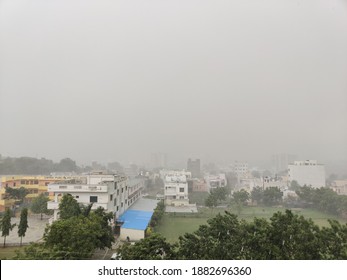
<point x="193" y="166"/>
<point x="110" y="192"/>
<point x="176" y="189"/>
<point x="280" y="162"/>
<point x="215" y="181"/>
<point x="34" y="185"/>
<point x="307" y="172"/>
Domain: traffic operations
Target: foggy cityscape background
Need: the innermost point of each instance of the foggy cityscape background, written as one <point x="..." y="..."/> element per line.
<point x="225" y="81"/>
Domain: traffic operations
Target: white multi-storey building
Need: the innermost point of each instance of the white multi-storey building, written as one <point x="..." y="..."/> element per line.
<point x="107" y="191"/>
<point x="241" y="169"/>
<point x="176" y="189"/>
<point x="308" y="173"/>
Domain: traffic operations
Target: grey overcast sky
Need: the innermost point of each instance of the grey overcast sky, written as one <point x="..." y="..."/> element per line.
<point x="225" y="80"/>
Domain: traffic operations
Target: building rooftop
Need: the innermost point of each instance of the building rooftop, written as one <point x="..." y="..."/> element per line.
<point x="136" y="219"/>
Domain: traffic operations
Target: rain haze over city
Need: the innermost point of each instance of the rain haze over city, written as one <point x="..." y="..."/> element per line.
<point x="120" y="80"/>
<point x="173" y="129"/>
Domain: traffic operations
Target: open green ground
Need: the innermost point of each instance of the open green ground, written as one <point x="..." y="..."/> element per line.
<point x="9" y="252"/>
<point x="174" y="225"/>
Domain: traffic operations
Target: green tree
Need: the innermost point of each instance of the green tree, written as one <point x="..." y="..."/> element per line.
<point x="17" y="193"/>
<point x="220" y="193"/>
<point x="220" y="239"/>
<point x="39" y="205"/>
<point x="5" y="225"/>
<point x="335" y="240"/>
<point x="68" y="207"/>
<point x="77" y="237"/>
<point x="257" y="195"/>
<point x="154" y="247"/>
<point x="241" y="197"/>
<point x="272" y="196"/>
<point x="294" y="238"/>
<point x="23" y="224"/>
<point x="294" y="186"/>
<point x="211" y="201"/>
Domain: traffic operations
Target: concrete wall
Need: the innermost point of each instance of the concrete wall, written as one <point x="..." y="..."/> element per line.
<point x="133" y="234"/>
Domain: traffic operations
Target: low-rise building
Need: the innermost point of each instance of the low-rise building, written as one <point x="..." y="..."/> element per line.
<point x="35" y="185"/>
<point x="339" y="186"/>
<point x="215" y="181"/>
<point x="199" y="186"/>
<point x="176" y="189"/>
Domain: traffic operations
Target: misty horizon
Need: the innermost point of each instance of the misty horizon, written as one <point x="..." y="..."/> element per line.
<point x="117" y="81"/>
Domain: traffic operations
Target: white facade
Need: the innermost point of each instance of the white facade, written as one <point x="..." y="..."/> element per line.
<point x="308" y="173"/>
<point x="163" y="173"/>
<point x="135" y="187"/>
<point x="176" y="189"/>
<point x="215" y="181"/>
<point x="340" y="187"/>
<point x="241" y="169"/>
<point x="107" y="191"/>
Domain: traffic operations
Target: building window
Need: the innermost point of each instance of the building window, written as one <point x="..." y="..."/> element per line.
<point x="115" y="202"/>
<point x="117" y="208"/>
<point x="117" y="192"/>
<point x="122" y="190"/>
<point x="181" y="197"/>
<point x="181" y="189"/>
<point x="115" y="185"/>
<point x="121" y="205"/>
<point x="126" y="188"/>
<point x="22" y="182"/>
<point x="93" y="199"/>
<point x="77" y="196"/>
<point x="111" y="197"/>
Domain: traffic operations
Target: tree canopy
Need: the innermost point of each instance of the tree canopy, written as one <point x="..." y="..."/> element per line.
<point x="5" y="225"/>
<point x="286" y="236"/>
<point x="23" y="224"/>
<point x="68" y="207"/>
<point x="39" y="205"/>
<point x="75" y="236"/>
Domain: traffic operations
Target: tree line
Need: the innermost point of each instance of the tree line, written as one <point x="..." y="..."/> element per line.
<point x="34" y="166"/>
<point x="286" y="236"/>
<point x="75" y="236"/>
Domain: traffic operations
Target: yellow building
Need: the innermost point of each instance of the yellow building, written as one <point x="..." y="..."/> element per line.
<point x="35" y="185"/>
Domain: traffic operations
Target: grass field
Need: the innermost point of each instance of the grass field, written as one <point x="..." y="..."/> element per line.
<point x="174" y="225"/>
<point x="9" y="252"/>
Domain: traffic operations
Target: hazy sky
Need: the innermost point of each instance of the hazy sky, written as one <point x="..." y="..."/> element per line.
<point x="223" y="80"/>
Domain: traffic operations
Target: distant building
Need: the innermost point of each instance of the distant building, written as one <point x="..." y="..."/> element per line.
<point x="163" y="173"/>
<point x="35" y="185"/>
<point x="280" y="162"/>
<point x="241" y="169"/>
<point x="308" y="173"/>
<point x="193" y="166"/>
<point x="159" y="160"/>
<point x="215" y="181"/>
<point x="176" y="189"/>
<point x="339" y="186"/>
<point x="199" y="186"/>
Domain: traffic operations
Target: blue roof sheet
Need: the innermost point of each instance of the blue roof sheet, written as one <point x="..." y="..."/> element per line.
<point x="136" y="219"/>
